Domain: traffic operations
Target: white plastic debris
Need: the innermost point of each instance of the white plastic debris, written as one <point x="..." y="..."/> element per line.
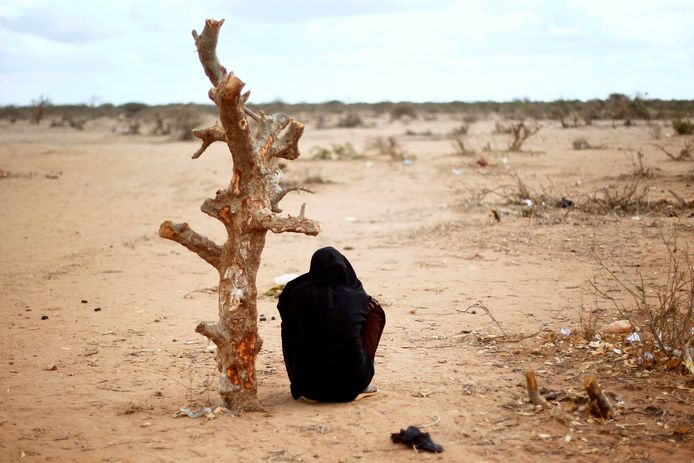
<point x="565" y="331"/>
<point x="407" y="162"/>
<point x="188" y="412"/>
<point x="284" y="278"/>
<point x="617" y="351"/>
<point x="528" y="202"/>
<point x="633" y="337"/>
<point x="456" y="171"/>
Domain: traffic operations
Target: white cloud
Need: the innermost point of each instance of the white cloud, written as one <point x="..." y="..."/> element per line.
<point x="354" y="50"/>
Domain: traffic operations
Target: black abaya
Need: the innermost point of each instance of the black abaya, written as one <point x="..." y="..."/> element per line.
<point x="323" y="312"/>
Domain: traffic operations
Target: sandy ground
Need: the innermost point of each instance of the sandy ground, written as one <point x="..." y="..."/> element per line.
<point x="101" y="378"/>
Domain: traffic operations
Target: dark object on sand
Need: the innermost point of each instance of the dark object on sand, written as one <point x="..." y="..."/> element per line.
<point x="566" y="203"/>
<point x="413" y="437"/>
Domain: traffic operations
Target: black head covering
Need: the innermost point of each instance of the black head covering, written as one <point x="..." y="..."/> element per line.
<point x="323" y="312"/>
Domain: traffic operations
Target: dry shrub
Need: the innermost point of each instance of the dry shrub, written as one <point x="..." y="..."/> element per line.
<point x="685" y="153"/>
<point x="349" y="121"/>
<point x="501" y="129"/>
<point x="461" y="130"/>
<point x="639" y="169"/>
<point x="532" y="199"/>
<point x="40" y="104"/>
<point x="182" y="121"/>
<point x="631" y="198"/>
<point x="683" y="126"/>
<point x="388" y="147"/>
<point x="581" y="144"/>
<point x="655" y="130"/>
<point x="665" y="310"/>
<point x="336" y="152"/>
<point x="460" y="149"/>
<point x="520" y="133"/>
<point x="400" y="111"/>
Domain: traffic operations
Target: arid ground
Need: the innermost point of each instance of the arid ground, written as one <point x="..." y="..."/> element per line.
<point x="98" y="312"/>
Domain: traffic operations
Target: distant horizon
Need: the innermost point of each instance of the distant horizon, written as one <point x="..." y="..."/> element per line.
<point x="336" y="101"/>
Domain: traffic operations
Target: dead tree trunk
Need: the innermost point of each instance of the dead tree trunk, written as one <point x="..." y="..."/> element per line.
<point x="248" y="208"/>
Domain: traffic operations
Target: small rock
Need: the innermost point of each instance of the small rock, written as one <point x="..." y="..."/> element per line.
<point x="44" y="317"/>
<point x="413" y="311"/>
<point x="97" y="309"/>
<point x="618" y="326"/>
<point x="272" y="318"/>
<point x="84" y="301"/>
<point x="262" y="317"/>
<point x="146" y="424"/>
<point x="51" y="367"/>
<point x="443" y="360"/>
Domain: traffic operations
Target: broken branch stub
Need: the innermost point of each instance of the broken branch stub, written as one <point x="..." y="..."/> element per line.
<point x="248" y="208"/>
<point x="599" y="403"/>
<point x="533" y="390"/>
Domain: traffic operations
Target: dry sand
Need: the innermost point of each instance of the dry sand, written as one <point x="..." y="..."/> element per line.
<point x="81" y="212"/>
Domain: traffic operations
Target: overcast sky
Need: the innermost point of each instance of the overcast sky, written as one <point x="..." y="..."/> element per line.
<point x="354" y="50"/>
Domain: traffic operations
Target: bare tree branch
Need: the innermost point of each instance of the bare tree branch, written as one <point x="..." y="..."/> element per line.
<point x="183" y="234"/>
<point x="206" y="44"/>
<point x="213" y="331"/>
<point x="279" y="196"/>
<point x="277" y="224"/>
<point x="208" y="136"/>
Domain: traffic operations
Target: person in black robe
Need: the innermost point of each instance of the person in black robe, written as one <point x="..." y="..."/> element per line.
<point x="330" y="331"/>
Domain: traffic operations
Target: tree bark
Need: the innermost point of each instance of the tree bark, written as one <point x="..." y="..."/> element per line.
<point x="248" y="208"/>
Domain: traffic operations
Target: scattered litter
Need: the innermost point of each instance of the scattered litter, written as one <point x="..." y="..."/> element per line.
<point x="596" y="342"/>
<point x="416" y="439"/>
<point x="617" y="351"/>
<point x="633" y="337"/>
<point x="565" y="331"/>
<point x="284" y="278"/>
<point x="527" y="202"/>
<point x="191" y="414"/>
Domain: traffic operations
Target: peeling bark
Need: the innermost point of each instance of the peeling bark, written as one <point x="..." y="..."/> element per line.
<point x="248" y="208"/>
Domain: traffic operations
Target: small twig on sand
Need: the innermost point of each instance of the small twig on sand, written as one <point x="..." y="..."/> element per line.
<point x="480" y="305"/>
<point x="434" y="423"/>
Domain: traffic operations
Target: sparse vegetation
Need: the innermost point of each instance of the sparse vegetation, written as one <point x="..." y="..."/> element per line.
<point x="520" y="132"/>
<point x="403" y="110"/>
<point x="685" y="153"/>
<point x="664" y="309"/>
<point x="683" y="126"/>
<point x="350" y="120"/>
<point x="337" y="152"/>
<point x="39" y="104"/>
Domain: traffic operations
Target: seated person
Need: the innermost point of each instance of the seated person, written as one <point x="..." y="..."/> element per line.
<point x="330" y="331"/>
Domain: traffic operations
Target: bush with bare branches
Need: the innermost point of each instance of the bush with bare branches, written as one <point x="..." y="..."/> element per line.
<point x="520" y="133"/>
<point x="663" y="309"/>
<point x="685" y="153"/>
